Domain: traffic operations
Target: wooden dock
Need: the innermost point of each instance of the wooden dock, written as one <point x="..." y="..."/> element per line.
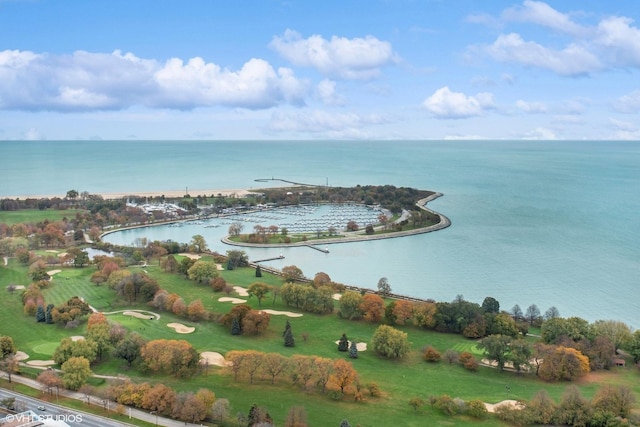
<point x="268" y="259"/>
<point x="325" y="250"/>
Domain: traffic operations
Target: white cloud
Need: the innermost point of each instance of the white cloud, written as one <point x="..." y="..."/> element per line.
<point x="531" y="107"/>
<point x="570" y="61"/>
<point x="339" y="57"/>
<point x="326" y="91"/>
<point x="611" y="43"/>
<point x="322" y="122"/>
<point x="622" y="125"/>
<point x="540" y="13"/>
<point x="629" y="103"/>
<point x="540" y="133"/>
<point x="32" y="134"/>
<point x="98" y="81"/>
<point x="446" y="104"/>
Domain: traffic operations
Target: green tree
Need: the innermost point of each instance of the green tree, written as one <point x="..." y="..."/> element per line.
<point x="7" y="346"/>
<point x="634" y="346"/>
<point x="350" y="304"/>
<point x="203" y="271"/>
<point x="491" y="305"/>
<point x="343" y="343"/>
<point x="574" y="410"/>
<point x="75" y="372"/>
<point x="68" y="349"/>
<point x="496" y="348"/>
<point x="259" y="290"/>
<point x="289" y="341"/>
<point x="198" y="244"/>
<point x="532" y="314"/>
<point x="129" y="348"/>
<point x="237" y="258"/>
<point x="41" y="316"/>
<point x="390" y="342"/>
<point x="520" y="353"/>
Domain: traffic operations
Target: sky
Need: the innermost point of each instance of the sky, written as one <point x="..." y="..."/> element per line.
<point x="311" y="70"/>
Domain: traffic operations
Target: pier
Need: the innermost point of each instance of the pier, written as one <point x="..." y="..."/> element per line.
<point x="268" y="259"/>
<point x="325" y="250"/>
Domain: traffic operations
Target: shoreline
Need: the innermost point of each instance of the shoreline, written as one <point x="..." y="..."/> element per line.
<point x="122" y="195"/>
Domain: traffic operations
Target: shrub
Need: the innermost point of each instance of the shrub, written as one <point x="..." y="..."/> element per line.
<point x="469" y="361"/>
<point x="431" y="354"/>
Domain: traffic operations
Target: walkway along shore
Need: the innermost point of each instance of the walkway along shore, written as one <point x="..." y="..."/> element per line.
<point x="443" y="223"/>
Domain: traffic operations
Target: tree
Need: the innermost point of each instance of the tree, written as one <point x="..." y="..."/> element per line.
<point x="516" y="312"/>
<point x="236" y="329"/>
<point x="159" y="399"/>
<point x="99" y="331"/>
<point x="541" y="408"/>
<point x="289" y="341"/>
<point x="574" y="410"/>
<point x="519" y="354"/>
<point x="551" y="313"/>
<point x="384" y="288"/>
<point x="372" y="307"/>
<point x="196" y="310"/>
<point x="291" y="273"/>
<point x="220" y="410"/>
<point x="496" y="348"/>
<point x="255" y="322"/>
<point x="189" y="408"/>
<point x="177" y="357"/>
<point x="237" y="258"/>
<point x="7" y="347"/>
<point x="296" y="417"/>
<point x="491" y="305"/>
<point x="50" y="379"/>
<point x="431" y="354"/>
<point x="343" y="374"/>
<point x="40" y="315"/>
<point x="258" y="416"/>
<point x="343" y="343"/>
<point x="203" y="271"/>
<point x="350" y="305"/>
<point x="75" y="372"/>
<point x="353" y="350"/>
<point x="619" y="333"/>
<point x="390" y="342"/>
<point x="424" y="314"/>
<point x="68" y="349"/>
<point x="274" y="364"/>
<point x="532" y="314"/>
<point x="10" y="364"/>
<point x="402" y="311"/>
<point x="259" y="290"/>
<point x="617" y="401"/>
<point x="634" y="346"/>
<point x="563" y="364"/>
<point x="129" y="347"/>
<point x="258" y="271"/>
<point x="198" y="244"/>
<point x="72" y="194"/>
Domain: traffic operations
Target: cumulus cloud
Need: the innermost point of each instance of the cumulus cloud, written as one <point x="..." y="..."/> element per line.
<point x="531" y="107"/>
<point x="339" y="57"/>
<point x="540" y="133"/>
<point x="629" y="103"/>
<point x="322" y="122"/>
<point x="99" y="81"/>
<point x="326" y="91"/>
<point x="446" y="104"/>
<point x="613" y="42"/>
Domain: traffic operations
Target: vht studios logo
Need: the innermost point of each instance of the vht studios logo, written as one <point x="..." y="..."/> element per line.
<point x="29" y="418"/>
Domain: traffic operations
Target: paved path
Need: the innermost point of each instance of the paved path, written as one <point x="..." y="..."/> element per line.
<point x="133" y="413"/>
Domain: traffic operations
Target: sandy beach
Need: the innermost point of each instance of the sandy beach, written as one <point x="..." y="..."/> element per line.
<point x="166" y="193"/>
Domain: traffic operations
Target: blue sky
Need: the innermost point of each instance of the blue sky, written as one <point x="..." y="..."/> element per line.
<point x="267" y="69"/>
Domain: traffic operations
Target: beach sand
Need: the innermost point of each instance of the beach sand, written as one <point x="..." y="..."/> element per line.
<point x="167" y="193"/>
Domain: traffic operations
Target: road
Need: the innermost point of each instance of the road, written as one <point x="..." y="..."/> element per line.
<point x="96" y="421"/>
<point x="70" y="416"/>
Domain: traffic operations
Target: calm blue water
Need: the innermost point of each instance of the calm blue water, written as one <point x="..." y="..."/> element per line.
<point x="546" y="223"/>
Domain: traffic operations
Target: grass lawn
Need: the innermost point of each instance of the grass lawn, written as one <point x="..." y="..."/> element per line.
<point x="36" y="215"/>
<point x="399" y="381"/>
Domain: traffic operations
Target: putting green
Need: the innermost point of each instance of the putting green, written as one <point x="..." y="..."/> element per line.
<point x="471" y="347"/>
<point x="46" y="348"/>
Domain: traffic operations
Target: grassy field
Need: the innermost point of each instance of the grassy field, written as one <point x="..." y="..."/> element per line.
<point x="398" y="380"/>
<point x="35" y="215"/>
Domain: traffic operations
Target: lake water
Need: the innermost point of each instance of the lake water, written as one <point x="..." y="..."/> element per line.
<point x="535" y="222"/>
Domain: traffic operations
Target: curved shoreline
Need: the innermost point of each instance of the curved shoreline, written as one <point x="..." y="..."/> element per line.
<point x="422" y="204"/>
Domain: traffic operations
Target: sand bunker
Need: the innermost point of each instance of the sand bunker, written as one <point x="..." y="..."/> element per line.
<point x="41" y="362"/>
<point x="241" y="291"/>
<point x="52" y="272"/>
<point x="77" y="338"/>
<point x="213" y="358"/>
<point x="51" y="251"/>
<point x="232" y="300"/>
<point x="192" y="256"/>
<point x="21" y="355"/>
<point x="19" y="287"/>
<point x="491" y="407"/>
<point x="180" y="328"/>
<point x="361" y="346"/>
<point x="283" y="313"/>
<point x="141" y="314"/>
<point x="337" y="297"/>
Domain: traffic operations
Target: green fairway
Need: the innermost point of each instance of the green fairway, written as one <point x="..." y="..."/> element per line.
<point x="399" y="381"/>
<point x="35" y="215"/>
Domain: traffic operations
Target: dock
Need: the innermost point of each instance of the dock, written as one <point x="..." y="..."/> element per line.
<point x="325" y="250"/>
<point x="268" y="259"/>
